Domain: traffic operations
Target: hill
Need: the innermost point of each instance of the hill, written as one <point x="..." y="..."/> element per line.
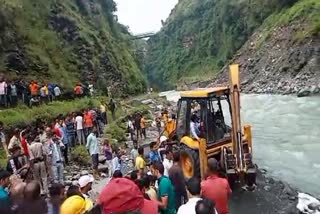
<point x="68" y="41"/>
<point x="200" y="37"/>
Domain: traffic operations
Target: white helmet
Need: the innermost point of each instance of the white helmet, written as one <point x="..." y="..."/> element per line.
<point x="163" y="138"/>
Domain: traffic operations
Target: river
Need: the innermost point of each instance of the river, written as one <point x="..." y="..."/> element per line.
<point x="286" y="134"/>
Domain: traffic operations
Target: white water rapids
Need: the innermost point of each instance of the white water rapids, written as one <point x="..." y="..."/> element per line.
<point x="286" y="136"/>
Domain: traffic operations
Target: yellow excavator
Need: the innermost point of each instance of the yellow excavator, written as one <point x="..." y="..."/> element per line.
<point x="217" y="132"/>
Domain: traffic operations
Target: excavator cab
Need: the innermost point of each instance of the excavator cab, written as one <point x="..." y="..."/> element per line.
<point x="208" y="125"/>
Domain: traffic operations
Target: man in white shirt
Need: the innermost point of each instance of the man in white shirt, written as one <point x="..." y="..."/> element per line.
<point x="79" y="126"/>
<point x="194" y="191"/>
<point x="3" y="92"/>
<point x="167" y="162"/>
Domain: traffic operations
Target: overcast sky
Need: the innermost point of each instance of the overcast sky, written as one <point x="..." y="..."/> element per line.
<point x="144" y="15"/>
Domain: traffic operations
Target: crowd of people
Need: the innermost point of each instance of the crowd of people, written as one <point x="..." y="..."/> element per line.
<point x="37" y="156"/>
<point x="35" y="93"/>
<point x="160" y="179"/>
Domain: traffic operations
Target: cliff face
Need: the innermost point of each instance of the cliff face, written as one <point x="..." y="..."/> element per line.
<point x="270" y="39"/>
<point x="67" y="41"/>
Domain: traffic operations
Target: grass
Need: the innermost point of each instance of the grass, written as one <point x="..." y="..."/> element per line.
<point x="23" y="115"/>
<point x="306" y="10"/>
<point x="3" y="158"/>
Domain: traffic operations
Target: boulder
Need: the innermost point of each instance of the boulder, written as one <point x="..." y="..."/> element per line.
<point x="304" y="92"/>
<point x="314" y="90"/>
<point x="102" y="159"/>
<point x="147" y="102"/>
<point x="103" y="168"/>
<point x="84" y="172"/>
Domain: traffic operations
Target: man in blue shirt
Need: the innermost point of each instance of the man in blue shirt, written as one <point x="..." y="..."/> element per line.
<point x="4" y="183"/>
<point x="154" y="155"/>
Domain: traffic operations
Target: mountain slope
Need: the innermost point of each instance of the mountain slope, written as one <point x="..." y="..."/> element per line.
<point x="200" y="37"/>
<point x="284" y="55"/>
<point x="67" y="41"/>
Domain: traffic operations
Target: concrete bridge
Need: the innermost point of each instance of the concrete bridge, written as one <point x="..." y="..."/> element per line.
<point x="143" y="35"/>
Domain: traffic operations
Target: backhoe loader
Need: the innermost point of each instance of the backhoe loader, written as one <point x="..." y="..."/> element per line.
<point x="220" y="134"/>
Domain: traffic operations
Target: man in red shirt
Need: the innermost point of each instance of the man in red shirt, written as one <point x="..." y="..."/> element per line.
<point x="215" y="188"/>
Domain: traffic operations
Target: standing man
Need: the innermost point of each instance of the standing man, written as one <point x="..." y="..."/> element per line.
<point x="88" y="122"/>
<point x="56" y="159"/>
<point x="57" y="91"/>
<point x="93" y="148"/>
<point x="177" y="179"/>
<point x="38" y="155"/>
<point x="3" y="139"/>
<point x="71" y="131"/>
<point x="103" y="113"/>
<point x="64" y="139"/>
<point x="139" y="161"/>
<point x="167" y="162"/>
<point x="215" y="188"/>
<point x="137" y="124"/>
<point x="3" y="92"/>
<point x="112" y="107"/>
<point x="166" y="196"/>
<point x="143" y="127"/>
<point x="108" y="154"/>
<point x="79" y="127"/>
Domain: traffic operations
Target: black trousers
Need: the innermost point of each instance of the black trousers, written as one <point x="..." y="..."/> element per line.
<point x="65" y="154"/>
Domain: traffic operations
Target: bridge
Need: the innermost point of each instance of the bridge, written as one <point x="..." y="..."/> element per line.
<point x="143" y="35"/>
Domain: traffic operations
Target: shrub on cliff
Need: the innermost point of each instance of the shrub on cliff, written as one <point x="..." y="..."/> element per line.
<point x="80" y="156"/>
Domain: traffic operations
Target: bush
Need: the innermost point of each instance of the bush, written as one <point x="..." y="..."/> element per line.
<point x="80" y="156"/>
<point x="117" y="132"/>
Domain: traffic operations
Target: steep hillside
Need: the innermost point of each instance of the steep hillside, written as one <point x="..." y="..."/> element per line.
<point x="200" y="37"/>
<point x="284" y="55"/>
<point x="67" y="41"/>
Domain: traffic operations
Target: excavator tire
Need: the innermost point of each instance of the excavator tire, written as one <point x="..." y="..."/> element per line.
<point x="190" y="162"/>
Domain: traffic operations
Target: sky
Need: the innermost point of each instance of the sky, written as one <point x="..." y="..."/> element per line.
<point x="144" y="15"/>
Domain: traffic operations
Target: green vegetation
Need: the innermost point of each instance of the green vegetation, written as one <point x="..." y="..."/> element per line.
<point x="200" y="37"/>
<point x="306" y="10"/>
<point x="23" y="115"/>
<point x="80" y="155"/>
<point x="68" y="41"/>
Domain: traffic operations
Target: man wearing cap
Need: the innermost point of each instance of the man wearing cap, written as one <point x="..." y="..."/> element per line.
<point x="73" y="205"/>
<point x="93" y="147"/>
<point x="166" y="195"/>
<point x="4" y="183"/>
<point x="122" y="195"/>
<point x="215" y="188"/>
<point x="85" y="183"/>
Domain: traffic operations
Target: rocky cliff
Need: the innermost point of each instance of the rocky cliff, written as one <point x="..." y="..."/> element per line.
<point x="67" y="41"/>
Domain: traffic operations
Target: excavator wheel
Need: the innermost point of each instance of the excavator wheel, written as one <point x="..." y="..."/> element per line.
<point x="190" y="163"/>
